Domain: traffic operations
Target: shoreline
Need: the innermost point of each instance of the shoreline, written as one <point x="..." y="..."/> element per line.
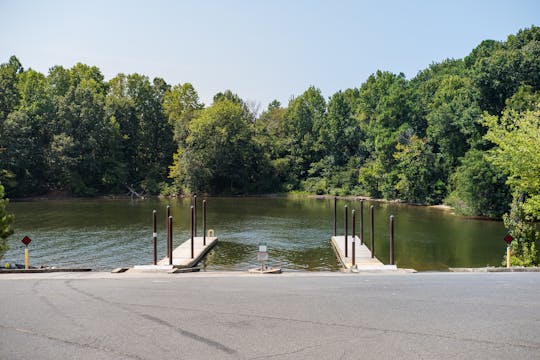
<point x="292" y="195"/>
<point x="367" y="198"/>
<point x="265" y="195"/>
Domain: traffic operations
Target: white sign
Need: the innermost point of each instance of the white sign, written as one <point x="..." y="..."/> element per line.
<point x="262" y="256"/>
<point x="262" y="248"/>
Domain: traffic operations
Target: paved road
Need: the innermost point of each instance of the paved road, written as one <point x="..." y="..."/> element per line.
<point x="288" y="316"/>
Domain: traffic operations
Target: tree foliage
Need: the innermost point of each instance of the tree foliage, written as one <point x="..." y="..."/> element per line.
<point x="72" y="131"/>
<point x="219" y="154"/>
<point x="517" y="139"/>
<point x="478" y="188"/>
<point x="6" y="219"/>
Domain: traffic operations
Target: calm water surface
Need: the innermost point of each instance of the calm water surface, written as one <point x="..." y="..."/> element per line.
<point x="104" y="234"/>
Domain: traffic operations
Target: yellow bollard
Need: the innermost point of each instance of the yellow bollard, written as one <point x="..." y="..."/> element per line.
<point x="508" y="257"/>
<point x="26" y="241"/>
<point x="26" y="259"/>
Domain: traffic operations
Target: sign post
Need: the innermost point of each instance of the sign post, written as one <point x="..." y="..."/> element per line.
<point x="262" y="256"/>
<point x="154" y="234"/>
<point x="26" y="241"/>
<point x="508" y="238"/>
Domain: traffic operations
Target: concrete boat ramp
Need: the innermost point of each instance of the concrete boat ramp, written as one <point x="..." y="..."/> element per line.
<point x="362" y="260"/>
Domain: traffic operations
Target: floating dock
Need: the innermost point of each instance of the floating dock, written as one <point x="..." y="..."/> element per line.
<point x="363" y="260"/>
<point x="182" y="254"/>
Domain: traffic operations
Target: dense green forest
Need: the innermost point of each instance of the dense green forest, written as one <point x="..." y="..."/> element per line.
<point x="464" y="132"/>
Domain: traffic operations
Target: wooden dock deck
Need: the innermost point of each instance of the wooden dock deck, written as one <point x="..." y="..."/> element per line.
<point x="182" y="254"/>
<point x="363" y="260"/>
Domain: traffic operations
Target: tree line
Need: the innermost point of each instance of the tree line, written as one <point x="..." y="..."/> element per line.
<point x="464" y="132"/>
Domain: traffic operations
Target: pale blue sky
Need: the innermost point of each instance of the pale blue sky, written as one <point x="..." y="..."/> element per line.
<point x="262" y="50"/>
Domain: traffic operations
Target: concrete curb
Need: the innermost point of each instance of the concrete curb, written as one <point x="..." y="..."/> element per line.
<point x="497" y="269"/>
<point x="38" y="271"/>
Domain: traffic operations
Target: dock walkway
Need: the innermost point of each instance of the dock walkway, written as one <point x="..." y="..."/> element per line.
<point x="182" y="254"/>
<point x="363" y="260"/>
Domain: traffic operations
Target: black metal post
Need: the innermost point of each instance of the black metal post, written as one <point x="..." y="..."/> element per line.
<point x="195" y="217"/>
<point x="168" y="214"/>
<point x="204" y="222"/>
<point x="335" y="215"/>
<point x="361" y="222"/>
<point x="392" y="240"/>
<point x="192" y="232"/>
<point x="346" y="229"/>
<point x="372" y="232"/>
<point x="154" y="234"/>
<point x="170" y="240"/>
<point x="353" y="237"/>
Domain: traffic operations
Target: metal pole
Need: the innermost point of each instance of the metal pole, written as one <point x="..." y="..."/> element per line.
<point x="195" y="218"/>
<point x="372" y="232"/>
<point x="192" y="231"/>
<point x="361" y="222"/>
<point x="353" y="237"/>
<point x="392" y="240"/>
<point x="154" y="234"/>
<point x="508" y="256"/>
<point x="335" y="215"/>
<point x="170" y="240"/>
<point x="346" y="229"/>
<point x="168" y="214"/>
<point x="204" y="222"/>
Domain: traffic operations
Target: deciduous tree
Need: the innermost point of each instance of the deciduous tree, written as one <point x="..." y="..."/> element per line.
<point x="6" y="219"/>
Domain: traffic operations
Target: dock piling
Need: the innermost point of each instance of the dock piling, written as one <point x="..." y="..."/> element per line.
<point x="372" y="231"/>
<point x="204" y="221"/>
<point x="335" y="215"/>
<point x="392" y="240"/>
<point x="353" y="237"/>
<point x="361" y="222"/>
<point x="168" y="231"/>
<point x="192" y="231"/>
<point x="170" y="246"/>
<point x="195" y="217"/>
<point x="154" y="234"/>
<point x="346" y="229"/>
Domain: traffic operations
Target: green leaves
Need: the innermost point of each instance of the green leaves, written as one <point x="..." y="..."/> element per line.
<point x="6" y="219"/>
<point x="517" y="140"/>
<point x="417" y="172"/>
<point x="220" y="155"/>
<point x="304" y="119"/>
<point x="501" y="70"/>
<point x="478" y="187"/>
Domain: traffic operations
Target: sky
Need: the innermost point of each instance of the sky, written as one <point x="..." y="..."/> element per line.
<point x="260" y="49"/>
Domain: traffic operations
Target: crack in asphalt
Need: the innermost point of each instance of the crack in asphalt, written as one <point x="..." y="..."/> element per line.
<point x="217" y="345"/>
<point x="209" y="342"/>
<point x="302" y="349"/>
<point x="70" y="342"/>
<point x="189" y="334"/>
<point x="52" y="305"/>
<point x="348" y="326"/>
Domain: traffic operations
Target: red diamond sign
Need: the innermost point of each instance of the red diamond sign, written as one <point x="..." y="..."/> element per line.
<point x="26" y="240"/>
<point x="508" y="238"/>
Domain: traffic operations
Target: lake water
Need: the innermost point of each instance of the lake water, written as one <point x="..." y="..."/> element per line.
<point x="104" y="234"/>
